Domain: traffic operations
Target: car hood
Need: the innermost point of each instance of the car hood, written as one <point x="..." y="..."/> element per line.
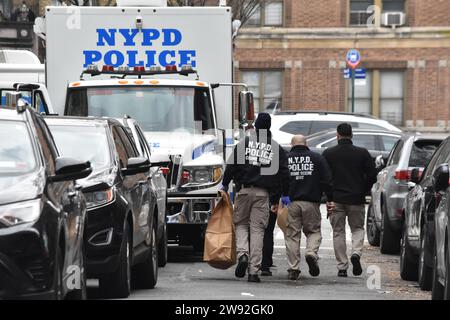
<point x="21" y="188"/>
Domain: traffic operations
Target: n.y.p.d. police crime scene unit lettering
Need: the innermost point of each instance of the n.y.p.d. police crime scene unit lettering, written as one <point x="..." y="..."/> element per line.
<point x="258" y="153"/>
<point x="166" y="39"/>
<point x="299" y="167"/>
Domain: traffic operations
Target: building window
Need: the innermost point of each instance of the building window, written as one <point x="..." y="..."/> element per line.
<point x="266" y="86"/>
<point x="392" y="96"/>
<point x="394" y="5"/>
<point x="363" y="94"/>
<point x="269" y="14"/>
<point x="359" y="15"/>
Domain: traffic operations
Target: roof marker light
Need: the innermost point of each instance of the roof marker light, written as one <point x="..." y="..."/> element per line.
<point x="154" y="82"/>
<point x="124" y="69"/>
<point x="92" y="67"/>
<point x="138" y="82"/>
<point x="139" y="69"/>
<point x="107" y="68"/>
<point x="123" y="82"/>
<point x="155" y="69"/>
<point x="171" y="68"/>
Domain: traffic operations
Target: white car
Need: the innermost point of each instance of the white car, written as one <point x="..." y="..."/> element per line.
<point x="287" y="124"/>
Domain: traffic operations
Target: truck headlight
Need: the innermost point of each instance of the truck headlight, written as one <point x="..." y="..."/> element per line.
<point x="22" y="212"/>
<point x="202" y="175"/>
<point x="99" y="198"/>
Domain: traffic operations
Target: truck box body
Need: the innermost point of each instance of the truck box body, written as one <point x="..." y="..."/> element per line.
<point x="200" y="36"/>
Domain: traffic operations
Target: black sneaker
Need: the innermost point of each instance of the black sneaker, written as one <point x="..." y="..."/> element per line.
<point x="313" y="266"/>
<point x="293" y="274"/>
<point x="253" y="278"/>
<point x="242" y="266"/>
<point x="266" y="273"/>
<point x="342" y="273"/>
<point x="357" y="270"/>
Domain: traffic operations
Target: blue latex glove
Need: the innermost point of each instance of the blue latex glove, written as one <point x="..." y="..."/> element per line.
<point x="286" y="201"/>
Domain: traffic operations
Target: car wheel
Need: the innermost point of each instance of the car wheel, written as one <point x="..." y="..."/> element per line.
<point x="409" y="268"/>
<point x="373" y="234"/>
<point x="163" y="250"/>
<point x="145" y="275"/>
<point x="437" y="290"/>
<point x="81" y="293"/>
<point x="389" y="240"/>
<point x="118" y="283"/>
<point x="425" y="272"/>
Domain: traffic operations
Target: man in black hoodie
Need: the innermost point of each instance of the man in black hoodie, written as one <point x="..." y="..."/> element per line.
<point x="258" y="167"/>
<point x="310" y="178"/>
<point x="354" y="174"/>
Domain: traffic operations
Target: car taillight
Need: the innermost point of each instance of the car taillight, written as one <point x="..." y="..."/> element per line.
<point x="165" y="171"/>
<point x="402" y="175"/>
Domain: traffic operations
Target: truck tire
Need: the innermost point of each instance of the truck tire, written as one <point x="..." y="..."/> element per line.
<point x="145" y="274"/>
<point x="425" y="272"/>
<point x="373" y="234"/>
<point x="389" y="240"/>
<point x="118" y="283"/>
<point x="58" y="276"/>
<point x="409" y="268"/>
<point x="163" y="250"/>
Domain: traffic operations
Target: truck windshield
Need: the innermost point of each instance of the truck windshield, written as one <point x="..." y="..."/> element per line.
<point x="158" y="109"/>
<point x="17" y="156"/>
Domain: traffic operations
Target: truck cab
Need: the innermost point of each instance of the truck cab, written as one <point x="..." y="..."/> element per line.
<point x="34" y="94"/>
<point x="179" y="121"/>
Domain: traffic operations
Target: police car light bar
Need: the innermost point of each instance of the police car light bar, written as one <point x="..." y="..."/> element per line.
<point x="139" y="71"/>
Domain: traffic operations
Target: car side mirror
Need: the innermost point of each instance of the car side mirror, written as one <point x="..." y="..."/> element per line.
<point x="441" y="178"/>
<point x="379" y="162"/>
<point x="246" y="108"/>
<point x="136" y="165"/>
<point x="67" y="169"/>
<point x="415" y="175"/>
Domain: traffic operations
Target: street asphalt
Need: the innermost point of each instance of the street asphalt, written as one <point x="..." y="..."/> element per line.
<point x="186" y="277"/>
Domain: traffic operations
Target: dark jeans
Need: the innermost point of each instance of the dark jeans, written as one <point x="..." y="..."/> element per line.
<point x="267" y="261"/>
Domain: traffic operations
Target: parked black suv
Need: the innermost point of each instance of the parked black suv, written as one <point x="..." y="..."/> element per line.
<point x="159" y="184"/>
<point x="417" y="244"/>
<point x="122" y="205"/>
<point x="441" y="253"/>
<point x="42" y="212"/>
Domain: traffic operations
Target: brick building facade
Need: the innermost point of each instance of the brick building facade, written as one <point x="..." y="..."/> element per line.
<point x="297" y="63"/>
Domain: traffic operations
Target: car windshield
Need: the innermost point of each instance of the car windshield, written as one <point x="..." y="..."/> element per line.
<point x="422" y="151"/>
<point x="86" y="143"/>
<point x="17" y="155"/>
<point x="158" y="109"/>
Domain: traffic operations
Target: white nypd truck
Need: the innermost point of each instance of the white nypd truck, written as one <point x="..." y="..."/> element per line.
<point x="170" y="68"/>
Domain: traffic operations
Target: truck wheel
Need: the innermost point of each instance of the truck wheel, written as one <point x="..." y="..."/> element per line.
<point x="409" y="268"/>
<point x="145" y="275"/>
<point x="389" y="240"/>
<point x="373" y="234"/>
<point x="425" y="272"/>
<point x="163" y="250"/>
<point x="118" y="283"/>
<point x="437" y="290"/>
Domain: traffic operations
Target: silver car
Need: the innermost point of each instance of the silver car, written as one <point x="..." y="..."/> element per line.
<point x="385" y="212"/>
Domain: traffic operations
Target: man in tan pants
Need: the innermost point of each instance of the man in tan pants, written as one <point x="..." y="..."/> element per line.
<point x="258" y="166"/>
<point x="309" y="178"/>
<point x="354" y="173"/>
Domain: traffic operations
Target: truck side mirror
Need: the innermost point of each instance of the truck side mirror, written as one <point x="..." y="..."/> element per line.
<point x="246" y="107"/>
<point x="441" y="178"/>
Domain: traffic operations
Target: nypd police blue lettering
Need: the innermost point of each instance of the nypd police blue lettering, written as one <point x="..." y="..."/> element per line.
<point x="167" y="39"/>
